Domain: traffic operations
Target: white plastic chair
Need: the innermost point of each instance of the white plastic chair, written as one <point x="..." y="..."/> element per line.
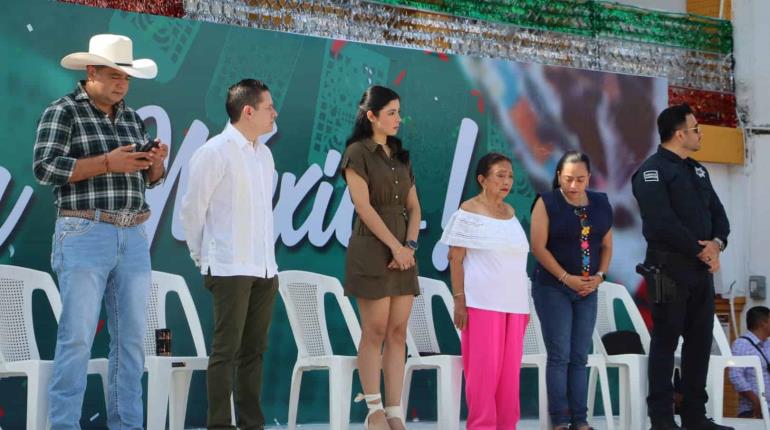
<point x="303" y="296"/>
<point x="168" y="377"/>
<point x="421" y="339"/>
<point x="19" y="355"/>
<point x="632" y="368"/>
<point x="535" y="355"/>
<point x="716" y="376"/>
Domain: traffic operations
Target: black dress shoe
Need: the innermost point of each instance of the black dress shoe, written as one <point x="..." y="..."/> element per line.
<point x="706" y="424"/>
<point x="669" y="424"/>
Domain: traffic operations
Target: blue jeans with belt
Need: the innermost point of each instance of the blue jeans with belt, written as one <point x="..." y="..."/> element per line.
<point x="567" y="321"/>
<point x="95" y="261"/>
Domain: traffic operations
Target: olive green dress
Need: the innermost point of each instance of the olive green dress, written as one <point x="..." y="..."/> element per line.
<point x="389" y="181"/>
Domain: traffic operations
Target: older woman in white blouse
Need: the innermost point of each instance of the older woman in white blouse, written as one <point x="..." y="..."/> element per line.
<point x="487" y="260"/>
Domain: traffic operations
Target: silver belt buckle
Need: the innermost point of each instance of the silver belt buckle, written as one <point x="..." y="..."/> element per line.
<point x="124" y="219"/>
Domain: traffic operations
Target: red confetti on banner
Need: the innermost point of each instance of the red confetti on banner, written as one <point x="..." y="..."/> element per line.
<point x="400" y="78"/>
<point x="172" y="8"/>
<point x="441" y="56"/>
<point x="480" y="101"/>
<point x="337" y="46"/>
<point x="711" y="107"/>
<point x="99" y="327"/>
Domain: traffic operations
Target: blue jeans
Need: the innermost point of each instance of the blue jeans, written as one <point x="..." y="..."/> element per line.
<point x="95" y="260"/>
<point x="567" y="321"/>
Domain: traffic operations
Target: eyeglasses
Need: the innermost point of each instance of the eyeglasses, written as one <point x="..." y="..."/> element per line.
<point x="696" y="128"/>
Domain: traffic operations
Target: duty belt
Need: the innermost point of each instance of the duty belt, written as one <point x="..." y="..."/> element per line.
<point x="669" y="258"/>
<point x="117" y="218"/>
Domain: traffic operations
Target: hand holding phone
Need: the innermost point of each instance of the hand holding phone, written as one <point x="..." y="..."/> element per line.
<point x="147" y="145"/>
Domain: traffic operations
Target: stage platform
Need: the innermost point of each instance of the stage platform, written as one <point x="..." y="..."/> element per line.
<point x="527" y="424"/>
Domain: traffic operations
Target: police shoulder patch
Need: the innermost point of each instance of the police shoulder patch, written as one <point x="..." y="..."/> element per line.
<point x="650" y="176"/>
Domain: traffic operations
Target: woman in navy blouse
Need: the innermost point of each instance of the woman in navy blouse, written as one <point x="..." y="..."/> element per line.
<point x="571" y="238"/>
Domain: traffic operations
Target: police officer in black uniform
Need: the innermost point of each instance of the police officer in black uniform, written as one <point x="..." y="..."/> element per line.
<point x="686" y="228"/>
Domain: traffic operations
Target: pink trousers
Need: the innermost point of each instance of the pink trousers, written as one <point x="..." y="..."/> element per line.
<point x="492" y="345"/>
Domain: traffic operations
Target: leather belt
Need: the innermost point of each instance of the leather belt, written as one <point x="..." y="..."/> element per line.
<point x="391" y="209"/>
<point x="117" y="218"/>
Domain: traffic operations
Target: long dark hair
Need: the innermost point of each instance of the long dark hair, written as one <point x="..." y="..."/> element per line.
<point x="374" y="99"/>
<point x="570" y="157"/>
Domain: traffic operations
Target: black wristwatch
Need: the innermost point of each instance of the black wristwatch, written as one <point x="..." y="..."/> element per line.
<point x="412" y="244"/>
<point x="603" y="275"/>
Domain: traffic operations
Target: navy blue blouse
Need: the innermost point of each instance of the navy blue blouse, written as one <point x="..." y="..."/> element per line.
<point x="564" y="233"/>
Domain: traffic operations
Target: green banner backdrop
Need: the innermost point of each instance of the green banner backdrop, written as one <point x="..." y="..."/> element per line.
<point x="455" y="110"/>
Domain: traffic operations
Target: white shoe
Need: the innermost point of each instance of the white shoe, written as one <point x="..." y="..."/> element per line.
<point x="373" y="402"/>
<point x="393" y="412"/>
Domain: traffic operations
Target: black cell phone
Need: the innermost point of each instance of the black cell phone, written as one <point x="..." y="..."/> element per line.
<point x="147" y="145"/>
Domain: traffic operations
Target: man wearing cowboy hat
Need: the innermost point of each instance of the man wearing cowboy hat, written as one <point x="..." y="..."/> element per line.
<point x="95" y="151"/>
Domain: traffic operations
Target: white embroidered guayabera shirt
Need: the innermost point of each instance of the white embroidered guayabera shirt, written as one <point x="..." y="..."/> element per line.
<point x="227" y="211"/>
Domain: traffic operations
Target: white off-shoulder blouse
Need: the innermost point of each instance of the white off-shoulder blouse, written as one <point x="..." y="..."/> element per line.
<point x="495" y="262"/>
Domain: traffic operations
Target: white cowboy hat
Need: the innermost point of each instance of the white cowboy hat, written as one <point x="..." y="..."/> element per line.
<point x="114" y="51"/>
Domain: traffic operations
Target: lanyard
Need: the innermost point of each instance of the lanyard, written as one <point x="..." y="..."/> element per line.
<point x="758" y="349"/>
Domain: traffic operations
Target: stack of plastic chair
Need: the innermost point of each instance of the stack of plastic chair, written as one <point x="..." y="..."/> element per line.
<point x="535" y="356"/>
<point x="303" y="296"/>
<point x="632" y="368"/>
<point x="168" y="377"/>
<point x="424" y="353"/>
<point x="19" y="355"/>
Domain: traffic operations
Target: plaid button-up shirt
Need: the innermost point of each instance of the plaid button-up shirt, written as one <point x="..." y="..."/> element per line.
<point x="72" y="128"/>
<point x="743" y="378"/>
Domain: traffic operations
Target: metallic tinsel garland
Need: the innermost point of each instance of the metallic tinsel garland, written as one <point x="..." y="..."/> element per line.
<point x="369" y="22"/>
